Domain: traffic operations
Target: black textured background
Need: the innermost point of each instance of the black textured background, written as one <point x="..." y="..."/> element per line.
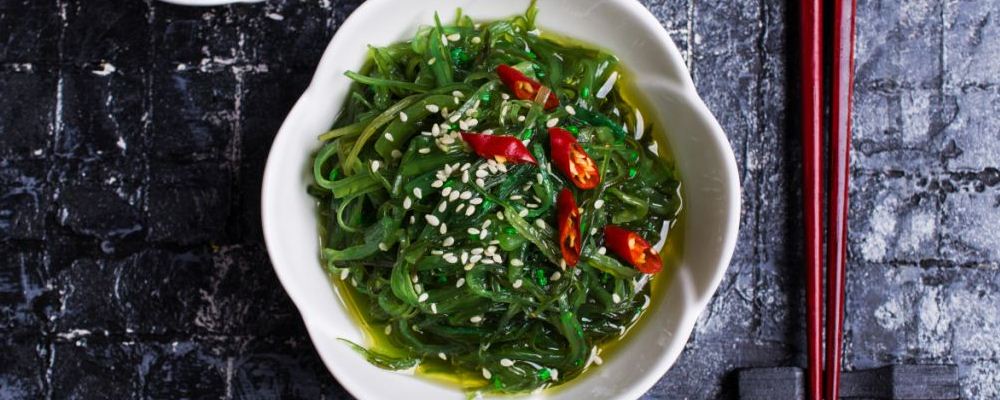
<point x="133" y="136"/>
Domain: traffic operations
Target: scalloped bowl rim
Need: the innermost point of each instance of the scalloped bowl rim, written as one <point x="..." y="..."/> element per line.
<point x="702" y="152"/>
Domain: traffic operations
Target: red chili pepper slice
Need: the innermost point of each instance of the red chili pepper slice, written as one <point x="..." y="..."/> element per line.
<point x="633" y="248"/>
<point x="501" y="147"/>
<point x="570" y="240"/>
<point x="523" y="87"/>
<point x="570" y="158"/>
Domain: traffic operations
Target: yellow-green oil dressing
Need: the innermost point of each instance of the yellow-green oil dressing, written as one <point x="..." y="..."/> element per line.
<point x="441" y="371"/>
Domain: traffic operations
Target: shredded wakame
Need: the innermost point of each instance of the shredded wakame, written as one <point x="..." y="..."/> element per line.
<point x="455" y="256"/>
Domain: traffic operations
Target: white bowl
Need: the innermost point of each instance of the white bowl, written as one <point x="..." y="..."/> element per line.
<point x="703" y="156"/>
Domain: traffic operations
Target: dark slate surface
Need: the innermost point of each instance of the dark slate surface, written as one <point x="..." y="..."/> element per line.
<point x="133" y="135"/>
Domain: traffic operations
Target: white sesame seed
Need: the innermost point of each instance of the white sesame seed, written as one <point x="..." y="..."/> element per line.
<point x="407" y="203"/>
<point x="505" y="96"/>
<point x="403" y="117"/>
<point x="539" y="177"/>
<point x="472" y="122"/>
<point x="375" y="165"/>
<point x="418" y="193"/>
<point x="520" y="118"/>
<point x="465" y="176"/>
<point x="500" y="215"/>
<point x="615" y="298"/>
<point x="516" y="197"/>
<point x="446" y="190"/>
<point x="469" y="266"/>
<point x="433" y="220"/>
<point x="437" y="184"/>
<point x="473" y="231"/>
<point x="475" y="258"/>
<point x="496" y="257"/>
<point x="598" y="204"/>
<point x="490" y="250"/>
<point x="444" y="39"/>
<point x="450" y="258"/>
<point x="432" y="108"/>
<point x="593" y="231"/>
<point x="570" y="110"/>
<point x="476" y="40"/>
<point x="465" y="195"/>
<point x="463" y="125"/>
<point x="540" y="223"/>
<point x="388" y="136"/>
<point x="475" y="320"/>
<point x="413" y="220"/>
<point x="460" y="282"/>
<point x="460" y="207"/>
<point x="562" y="264"/>
<point x="516" y="262"/>
<point x="506" y="362"/>
<point x="470" y="210"/>
<point x="476" y="201"/>
<point x="523" y="213"/>
<point x="388" y="329"/>
<point x="486" y="372"/>
<point x="396" y="154"/>
<point x="480" y="182"/>
<point x="344" y="273"/>
<point x="487" y="223"/>
<point x="424" y="150"/>
<point x="431" y="61"/>
<point x="383" y="247"/>
<point x="437" y="252"/>
<point x="454" y="37"/>
<point x="482" y="173"/>
<point x="517" y="284"/>
<point x="555" y="276"/>
<point x="423" y="297"/>
<point x="602" y="250"/>
<point x="448" y="241"/>
<point x="465" y="257"/>
<point x="552" y="122"/>
<point x="447" y="140"/>
<point x="483" y="233"/>
<point x="444" y="228"/>
<point x="442" y="355"/>
<point x="458" y="94"/>
<point x="436" y="129"/>
<point x="454" y="195"/>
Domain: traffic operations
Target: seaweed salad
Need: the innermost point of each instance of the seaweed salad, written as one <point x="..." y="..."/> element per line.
<point x="490" y="201"/>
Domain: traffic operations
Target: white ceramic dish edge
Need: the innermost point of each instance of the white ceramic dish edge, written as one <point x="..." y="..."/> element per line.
<point x="284" y="201"/>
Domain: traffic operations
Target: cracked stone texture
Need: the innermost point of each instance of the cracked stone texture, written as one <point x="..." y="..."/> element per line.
<point x="133" y="137"/>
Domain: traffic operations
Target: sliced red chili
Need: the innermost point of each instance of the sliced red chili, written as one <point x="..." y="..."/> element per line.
<point x="570" y="240"/>
<point x="572" y="160"/>
<point x="523" y="87"/>
<point x="632" y="248"/>
<point x="501" y="147"/>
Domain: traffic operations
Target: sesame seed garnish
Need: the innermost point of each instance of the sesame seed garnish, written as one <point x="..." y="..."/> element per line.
<point x="447" y="140"/>
<point x="437" y="252"/>
<point x="480" y="182"/>
<point x="460" y="207"/>
<point x="465" y="176"/>
<point x="375" y="165"/>
<point x="475" y="258"/>
<point x="407" y="203"/>
<point x="450" y="258"/>
<point x="403" y="117"/>
<point x="396" y="154"/>
<point x="383" y="247"/>
<point x="432" y="108"/>
<point x="431" y="61"/>
<point x="482" y="173"/>
<point x="465" y="195"/>
<point x="444" y="39"/>
<point x="454" y="37"/>
<point x="516" y="262"/>
<point x="476" y="201"/>
<point x="487" y="223"/>
<point x="344" y="273"/>
<point x="562" y="264"/>
<point x="540" y="223"/>
<point x="442" y="355"/>
<point x="475" y="320"/>
<point x="388" y="136"/>
<point x="448" y="241"/>
<point x="458" y="94"/>
<point x="520" y="118"/>
<point x="539" y="177"/>
<point x="388" y="329"/>
<point x="460" y="282"/>
<point x="555" y="276"/>
<point x="476" y="40"/>
<point x="598" y="204"/>
<point x="436" y="129"/>
<point x="593" y="231"/>
<point x="615" y="298"/>
<point x="423" y="297"/>
<point x="517" y="284"/>
<point x="469" y="266"/>
<point x="483" y="233"/>
<point x="437" y="184"/>
<point x="442" y="207"/>
<point x="570" y="110"/>
<point x="486" y="372"/>
<point x="499" y="215"/>
<point x="505" y="96"/>
<point x="465" y="257"/>
<point x="433" y="220"/>
<point x="523" y="213"/>
<point x="602" y="250"/>
<point x="454" y="196"/>
<point x="473" y="231"/>
<point x="444" y="228"/>
<point x="446" y="191"/>
<point x="496" y="257"/>
<point x="516" y="197"/>
<point x="552" y="122"/>
<point x="418" y="193"/>
<point x="470" y="210"/>
<point x="506" y="362"/>
<point x="531" y="205"/>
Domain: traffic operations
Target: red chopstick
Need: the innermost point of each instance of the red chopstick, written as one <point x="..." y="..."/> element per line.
<point x="840" y="146"/>
<point x="811" y="48"/>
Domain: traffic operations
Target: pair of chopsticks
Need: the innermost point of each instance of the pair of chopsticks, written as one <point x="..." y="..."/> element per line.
<point x="842" y="79"/>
